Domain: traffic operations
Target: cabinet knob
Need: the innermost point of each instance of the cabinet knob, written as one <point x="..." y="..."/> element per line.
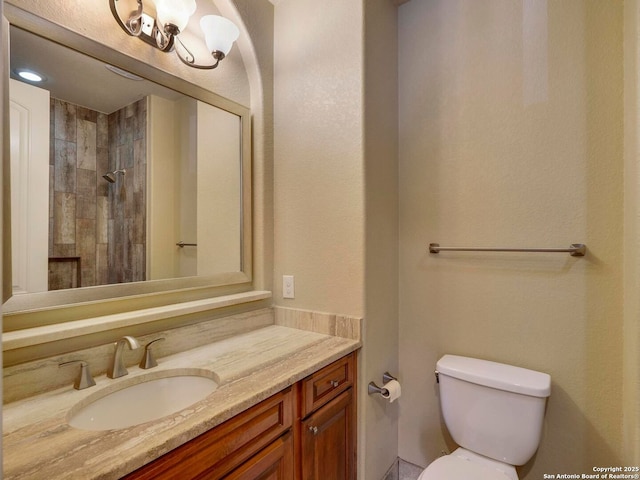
<point x="334" y="383"/>
<point x="313" y="429"/>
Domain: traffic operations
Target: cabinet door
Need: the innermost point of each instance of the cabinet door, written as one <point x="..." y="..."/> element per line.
<point x="275" y="462"/>
<point x="328" y="441"/>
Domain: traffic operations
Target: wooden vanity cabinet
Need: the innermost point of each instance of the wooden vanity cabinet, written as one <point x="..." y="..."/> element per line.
<point x="305" y="432"/>
<point x="216" y="453"/>
<point x="327" y="427"/>
<point x="328" y="441"/>
<point x="275" y="462"/>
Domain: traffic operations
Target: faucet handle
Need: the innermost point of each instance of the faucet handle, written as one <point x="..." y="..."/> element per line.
<point x="148" y="361"/>
<point x="84" y="380"/>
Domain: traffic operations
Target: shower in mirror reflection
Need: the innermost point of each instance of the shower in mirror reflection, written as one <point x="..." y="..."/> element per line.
<point x="111" y="176"/>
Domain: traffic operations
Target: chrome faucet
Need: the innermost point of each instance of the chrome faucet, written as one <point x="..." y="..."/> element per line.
<point x="117" y="369"/>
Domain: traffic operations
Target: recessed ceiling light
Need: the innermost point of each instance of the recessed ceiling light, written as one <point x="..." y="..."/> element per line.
<point x="30" y="75"/>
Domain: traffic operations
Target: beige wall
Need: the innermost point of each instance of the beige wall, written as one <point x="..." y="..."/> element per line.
<point x="218" y="186"/>
<point x="257" y="51"/>
<point x="163" y="187"/>
<point x="631" y="367"/>
<point x="379" y="418"/>
<point x="511" y="134"/>
<point x="318" y="178"/>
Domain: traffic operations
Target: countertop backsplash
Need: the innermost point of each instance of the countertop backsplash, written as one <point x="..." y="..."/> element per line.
<point x="44" y="375"/>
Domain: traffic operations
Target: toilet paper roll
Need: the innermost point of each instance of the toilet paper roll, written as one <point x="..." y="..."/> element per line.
<point x="391" y="390"/>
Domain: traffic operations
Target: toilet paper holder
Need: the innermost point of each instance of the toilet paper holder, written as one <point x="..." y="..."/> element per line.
<point x="373" y="388"/>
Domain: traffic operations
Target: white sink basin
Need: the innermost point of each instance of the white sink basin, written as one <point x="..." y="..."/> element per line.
<point x="141" y="400"/>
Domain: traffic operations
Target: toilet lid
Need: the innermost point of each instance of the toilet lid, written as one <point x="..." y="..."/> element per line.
<point x="452" y="467"/>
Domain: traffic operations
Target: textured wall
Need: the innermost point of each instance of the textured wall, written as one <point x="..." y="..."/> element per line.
<point x="379" y="418"/>
<point x="318" y="180"/>
<point x="257" y="52"/>
<point x="511" y="134"/>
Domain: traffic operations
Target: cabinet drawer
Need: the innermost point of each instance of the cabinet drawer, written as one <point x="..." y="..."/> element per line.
<point x="326" y="384"/>
<point x="217" y="452"/>
<point x="275" y="462"/>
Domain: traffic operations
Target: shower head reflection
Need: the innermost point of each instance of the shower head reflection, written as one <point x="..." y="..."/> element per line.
<point x="111" y="176"/>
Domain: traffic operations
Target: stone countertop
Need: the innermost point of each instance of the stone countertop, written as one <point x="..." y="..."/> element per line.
<point x="38" y="443"/>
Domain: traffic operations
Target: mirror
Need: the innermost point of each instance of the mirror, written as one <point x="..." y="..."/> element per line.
<point x="132" y="181"/>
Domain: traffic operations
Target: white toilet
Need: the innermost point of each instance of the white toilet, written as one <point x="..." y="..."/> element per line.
<point x="494" y="412"/>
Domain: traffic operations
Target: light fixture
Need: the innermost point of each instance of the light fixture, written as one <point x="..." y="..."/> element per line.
<point x="29" y="75"/>
<point x="171" y="18"/>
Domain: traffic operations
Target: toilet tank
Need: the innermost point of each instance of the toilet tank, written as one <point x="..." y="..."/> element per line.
<point x="493" y="409"/>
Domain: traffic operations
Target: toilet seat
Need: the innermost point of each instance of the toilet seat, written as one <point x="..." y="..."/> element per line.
<point x="461" y="466"/>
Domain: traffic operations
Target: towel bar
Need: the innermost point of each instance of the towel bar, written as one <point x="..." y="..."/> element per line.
<point x="181" y="244"/>
<point x="576" y="249"/>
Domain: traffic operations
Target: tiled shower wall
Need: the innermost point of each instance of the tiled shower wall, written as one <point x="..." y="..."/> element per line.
<point x="126" y="243"/>
<point x="95" y="226"/>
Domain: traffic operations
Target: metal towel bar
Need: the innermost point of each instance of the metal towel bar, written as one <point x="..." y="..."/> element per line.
<point x="576" y="249"/>
<point x="181" y="244"/>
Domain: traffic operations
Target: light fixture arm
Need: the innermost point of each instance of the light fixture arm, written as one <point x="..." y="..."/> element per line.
<point x="164" y="40"/>
<point x="133" y="24"/>
<point x="189" y="59"/>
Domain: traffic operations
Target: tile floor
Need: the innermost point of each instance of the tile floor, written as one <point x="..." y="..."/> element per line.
<point x="402" y="470"/>
<point x="409" y="471"/>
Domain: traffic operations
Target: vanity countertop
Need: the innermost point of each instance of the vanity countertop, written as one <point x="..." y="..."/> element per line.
<point x="38" y="443"/>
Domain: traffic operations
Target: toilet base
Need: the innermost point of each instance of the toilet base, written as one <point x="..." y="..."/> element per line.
<point x="463" y="464"/>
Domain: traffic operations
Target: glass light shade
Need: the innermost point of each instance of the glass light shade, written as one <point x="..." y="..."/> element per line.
<point x="175" y="12"/>
<point x="219" y="33"/>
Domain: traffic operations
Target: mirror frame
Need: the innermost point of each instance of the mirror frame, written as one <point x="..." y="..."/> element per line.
<point x="45" y="308"/>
